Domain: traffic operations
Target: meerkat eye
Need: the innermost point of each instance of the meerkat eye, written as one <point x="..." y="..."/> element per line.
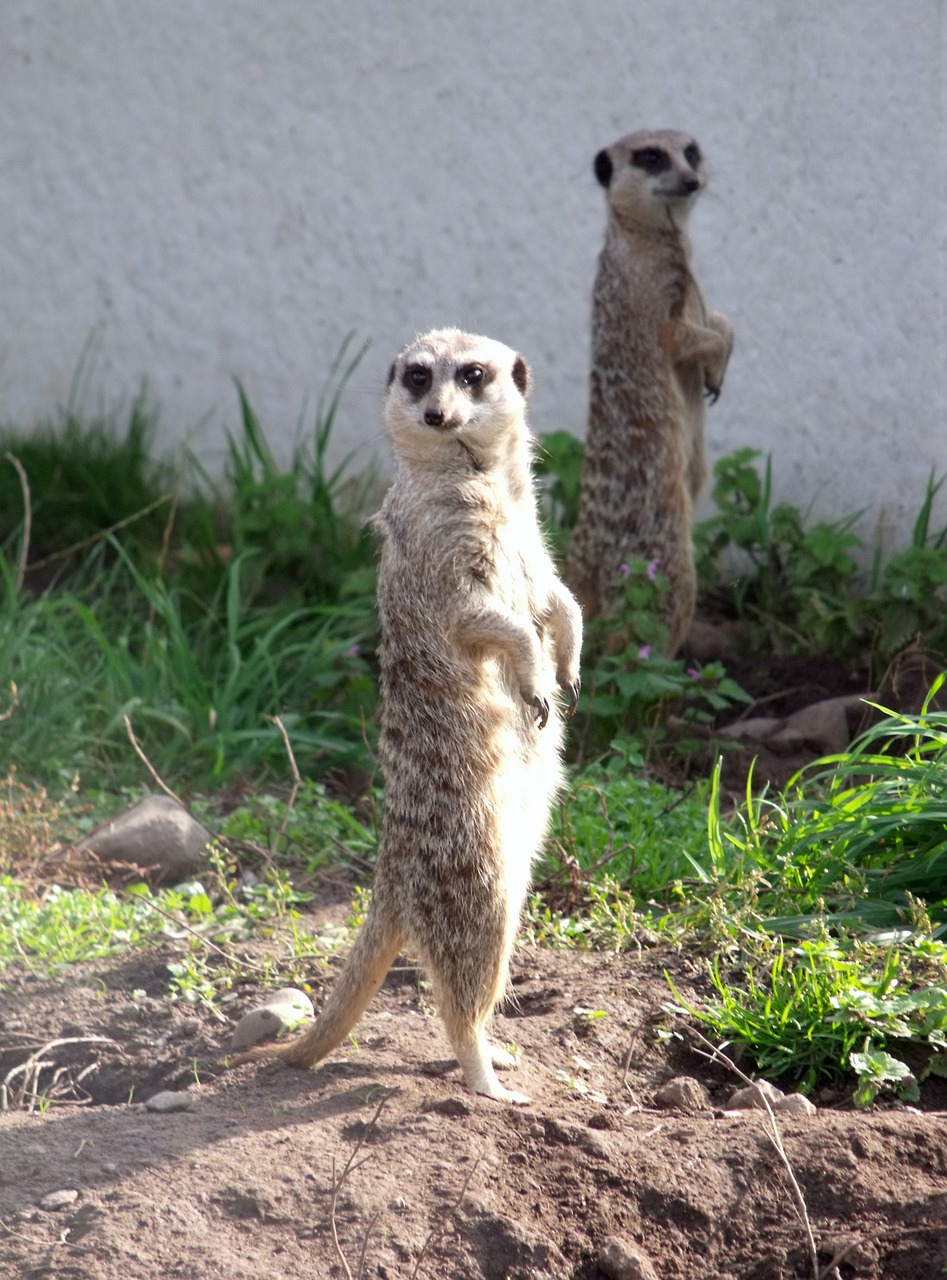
<point x="473" y="375"/>
<point x="650" y="159"/>
<point x="692" y="155"/>
<point x="417" y="377"/>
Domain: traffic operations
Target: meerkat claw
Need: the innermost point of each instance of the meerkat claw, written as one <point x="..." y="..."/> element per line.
<point x="542" y="710"/>
<point x="572" y="690"/>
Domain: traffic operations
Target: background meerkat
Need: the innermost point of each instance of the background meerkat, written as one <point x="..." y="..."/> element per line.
<point x="656" y="352"/>
<point x="477" y="631"/>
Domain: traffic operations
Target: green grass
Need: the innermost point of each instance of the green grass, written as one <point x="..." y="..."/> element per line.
<point x="209" y="615"/>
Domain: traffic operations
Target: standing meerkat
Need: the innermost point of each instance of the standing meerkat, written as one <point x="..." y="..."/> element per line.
<point x="477" y="632"/>
<point x="656" y="352"/>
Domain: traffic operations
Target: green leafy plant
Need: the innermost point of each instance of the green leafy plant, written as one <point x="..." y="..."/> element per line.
<point x="791" y="577"/>
<point x="629" y="687"/>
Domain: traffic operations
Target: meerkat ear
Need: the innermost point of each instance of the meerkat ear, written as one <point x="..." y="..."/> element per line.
<point x="521" y="374"/>
<point x="391" y="375"/>
<point x="604" y="168"/>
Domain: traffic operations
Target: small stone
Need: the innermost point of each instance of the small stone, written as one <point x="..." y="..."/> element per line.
<point x="825" y="725"/>
<point x="157" y="834"/>
<point x="450" y="1107"/>
<point x="189" y="1027"/>
<point x="751" y="1098"/>
<point x="257" y="1025"/>
<point x="622" y="1261"/>
<point x="794" y="1104"/>
<point x="755" y="729"/>
<point x="168" y="1101"/>
<point x="682" y="1094"/>
<point x="281" y="1010"/>
<point x="59" y="1199"/>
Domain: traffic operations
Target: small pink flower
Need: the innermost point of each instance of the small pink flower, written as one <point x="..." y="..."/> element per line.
<point x="693" y="673"/>
<point x="352" y="651"/>
<point x="624" y="570"/>
<point x="653" y="566"/>
<point x="644" y="653"/>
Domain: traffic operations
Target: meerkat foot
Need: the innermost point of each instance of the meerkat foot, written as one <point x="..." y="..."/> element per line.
<point x="511" y="1096"/>
<point x="502" y="1058"/>
<point x="476" y="1064"/>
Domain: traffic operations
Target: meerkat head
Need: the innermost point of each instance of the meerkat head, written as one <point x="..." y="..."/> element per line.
<point x="449" y="390"/>
<point x="652" y="177"/>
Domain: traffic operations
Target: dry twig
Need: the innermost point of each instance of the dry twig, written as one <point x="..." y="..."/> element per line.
<point x="148" y="765"/>
<point x="297" y="780"/>
<point x="30" y="1071"/>
<point x="437" y="1231"/>
<point x="350" y="1166"/>
<point x="716" y="1054"/>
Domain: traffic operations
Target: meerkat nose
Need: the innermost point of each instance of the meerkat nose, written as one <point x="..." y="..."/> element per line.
<point x="434" y="417"/>
<point x="690" y="181"/>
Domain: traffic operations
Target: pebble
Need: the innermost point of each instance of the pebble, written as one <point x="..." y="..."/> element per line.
<point x="795" y="1104"/>
<point x="280" y="1010"/>
<point x="622" y="1261"/>
<point x="59" y="1199"/>
<point x="751" y="1098"/>
<point x="682" y="1094"/>
<point x="156" y="834"/>
<point x="169" y="1100"/>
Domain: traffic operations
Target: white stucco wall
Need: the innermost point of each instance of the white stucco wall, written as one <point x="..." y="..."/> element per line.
<point x="227" y="188"/>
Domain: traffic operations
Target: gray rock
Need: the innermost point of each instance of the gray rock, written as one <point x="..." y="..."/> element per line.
<point x="795" y="1104"/>
<point x="59" y="1199"/>
<point x="281" y="1010"/>
<point x="751" y="1098"/>
<point x="682" y="1094"/>
<point x="825" y="725"/>
<point x="167" y="1101"/>
<point x="156" y="834"/>
<point x="756" y="729"/>
<point x="622" y="1261"/>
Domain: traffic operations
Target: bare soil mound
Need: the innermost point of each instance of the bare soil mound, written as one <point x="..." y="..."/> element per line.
<point x="240" y="1184"/>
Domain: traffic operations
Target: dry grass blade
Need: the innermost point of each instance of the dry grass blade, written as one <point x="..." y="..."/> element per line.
<point x="18" y="467"/>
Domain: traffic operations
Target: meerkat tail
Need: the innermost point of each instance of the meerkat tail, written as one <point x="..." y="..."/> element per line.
<point x="370" y="959"/>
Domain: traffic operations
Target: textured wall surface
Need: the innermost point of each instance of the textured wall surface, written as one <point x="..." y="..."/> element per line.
<point x="215" y="189"/>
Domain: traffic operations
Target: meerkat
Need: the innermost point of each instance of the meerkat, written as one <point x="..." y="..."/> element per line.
<point x="477" y="633"/>
<point x="657" y="351"/>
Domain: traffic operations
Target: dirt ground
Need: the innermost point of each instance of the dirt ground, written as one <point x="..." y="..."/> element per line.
<point x="380" y="1164"/>
<point x="442" y="1184"/>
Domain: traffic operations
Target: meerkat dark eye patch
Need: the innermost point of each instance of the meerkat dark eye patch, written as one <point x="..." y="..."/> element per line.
<point x="651" y="159"/>
<point x="692" y="155"/>
<point x="473" y="376"/>
<point x="417" y="378"/>
<point x="603" y="168"/>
